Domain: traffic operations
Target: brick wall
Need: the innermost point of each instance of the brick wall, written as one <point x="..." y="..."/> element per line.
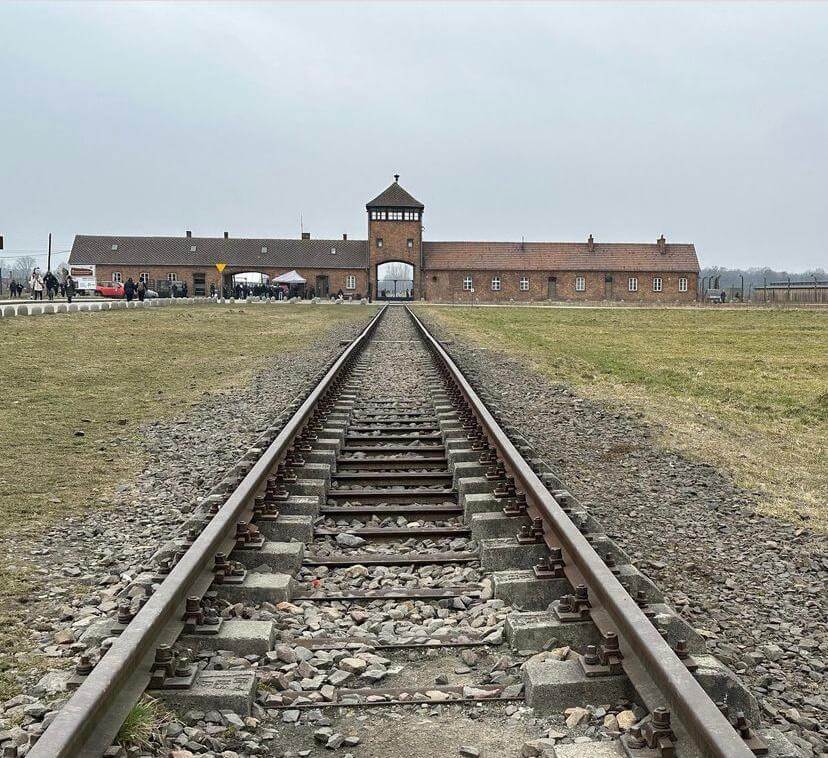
<point x="447" y="286"/>
<point x="337" y="278"/>
<point x="395" y="236"/>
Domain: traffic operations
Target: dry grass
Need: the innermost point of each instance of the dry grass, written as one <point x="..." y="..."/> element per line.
<point x="101" y="375"/>
<point x="746" y="390"/>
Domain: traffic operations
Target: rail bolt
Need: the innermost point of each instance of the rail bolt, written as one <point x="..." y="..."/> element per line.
<point x="124" y="613"/>
<point x="84" y="665"/>
<point x="661" y="718"/>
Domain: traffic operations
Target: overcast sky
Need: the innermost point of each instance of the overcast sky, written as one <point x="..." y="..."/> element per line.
<point x="707" y="123"/>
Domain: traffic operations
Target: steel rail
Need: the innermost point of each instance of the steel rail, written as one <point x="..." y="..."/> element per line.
<point x="702" y="720"/>
<point x="90" y="719"/>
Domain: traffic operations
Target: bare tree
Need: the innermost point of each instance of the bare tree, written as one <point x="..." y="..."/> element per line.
<point x="22" y="268"/>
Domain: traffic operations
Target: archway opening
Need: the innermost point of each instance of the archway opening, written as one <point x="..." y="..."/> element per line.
<point x="243" y="284"/>
<point x="395" y="281"/>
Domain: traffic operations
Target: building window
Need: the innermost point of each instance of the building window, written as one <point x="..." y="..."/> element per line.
<point x="580" y="284"/>
<point x="350" y="282"/>
<point x="495" y="284"/>
<point x="632" y="284"/>
<point x="395" y="215"/>
<point x="379" y="241"/>
<point x="467" y="284"/>
<point x="410" y="243"/>
<point x="264" y="249"/>
<point x="656" y="284"/>
<point x="114" y="247"/>
<point x="192" y="248"/>
<point x="144" y="277"/>
<point x="172" y="277"/>
<point x="333" y="251"/>
<point x="682" y="284"/>
<point x="116" y="276"/>
<point x="524" y="284"/>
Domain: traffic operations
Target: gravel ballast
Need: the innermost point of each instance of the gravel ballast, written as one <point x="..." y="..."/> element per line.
<point x="90" y="559"/>
<point x="754" y="586"/>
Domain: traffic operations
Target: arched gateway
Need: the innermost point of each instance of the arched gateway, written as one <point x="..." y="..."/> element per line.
<point x="395" y="236"/>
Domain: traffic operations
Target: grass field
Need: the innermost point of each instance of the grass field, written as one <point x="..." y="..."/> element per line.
<point x="746" y="390"/>
<point x="104" y="374"/>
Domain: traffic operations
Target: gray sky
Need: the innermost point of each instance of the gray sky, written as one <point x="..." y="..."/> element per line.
<point x="703" y="122"/>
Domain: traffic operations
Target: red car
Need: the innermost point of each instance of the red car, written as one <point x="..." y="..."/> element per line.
<point x="109" y="289"/>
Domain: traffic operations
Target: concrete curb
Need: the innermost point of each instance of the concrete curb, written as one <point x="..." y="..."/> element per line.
<point x="32" y="309"/>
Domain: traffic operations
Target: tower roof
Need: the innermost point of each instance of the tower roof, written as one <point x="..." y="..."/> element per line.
<point x="394" y="196"/>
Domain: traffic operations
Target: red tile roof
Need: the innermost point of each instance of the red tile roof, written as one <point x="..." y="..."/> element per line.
<point x="559" y="256"/>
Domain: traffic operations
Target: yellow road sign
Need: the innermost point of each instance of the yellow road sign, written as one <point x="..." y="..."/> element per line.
<point x="221" y="267"/>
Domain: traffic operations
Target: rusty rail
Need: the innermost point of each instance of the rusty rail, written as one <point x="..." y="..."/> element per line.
<point x="90" y="720"/>
<point x="698" y="715"/>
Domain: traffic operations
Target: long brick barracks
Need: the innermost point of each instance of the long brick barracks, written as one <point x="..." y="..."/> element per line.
<point x="396" y="262"/>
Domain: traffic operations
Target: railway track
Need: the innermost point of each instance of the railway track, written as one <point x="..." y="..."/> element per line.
<point x="391" y="573"/>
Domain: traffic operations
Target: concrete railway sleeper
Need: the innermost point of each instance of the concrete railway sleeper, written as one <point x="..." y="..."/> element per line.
<point x="393" y="574"/>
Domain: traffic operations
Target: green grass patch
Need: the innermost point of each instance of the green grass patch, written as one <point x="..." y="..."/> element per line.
<point x="747" y="389"/>
<point x="145" y="718"/>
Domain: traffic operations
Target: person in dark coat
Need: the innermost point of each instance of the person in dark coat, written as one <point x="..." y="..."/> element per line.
<point x="129" y="289"/>
<point x="69" y="287"/>
<point x="51" y="283"/>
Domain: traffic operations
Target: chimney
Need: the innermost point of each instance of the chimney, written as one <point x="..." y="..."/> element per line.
<point x="344" y="236"/>
<point x="305" y="235"/>
<point x="188" y="233"/>
<point x="226" y="235"/>
<point x="590" y="244"/>
<point x="662" y="245"/>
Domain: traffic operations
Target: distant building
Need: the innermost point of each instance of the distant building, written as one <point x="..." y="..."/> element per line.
<point x="395" y="262"/>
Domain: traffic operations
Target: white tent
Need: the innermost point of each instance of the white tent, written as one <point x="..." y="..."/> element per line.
<point x="291" y="277"/>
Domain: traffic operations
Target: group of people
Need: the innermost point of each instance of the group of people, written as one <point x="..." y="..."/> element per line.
<point x="48" y="283"/>
<point x="133" y="290"/>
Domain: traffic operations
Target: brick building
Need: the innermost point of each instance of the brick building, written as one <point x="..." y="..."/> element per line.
<point x="396" y="261"/>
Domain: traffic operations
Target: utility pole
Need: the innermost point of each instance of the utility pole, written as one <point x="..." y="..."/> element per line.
<point x="49" y="255"/>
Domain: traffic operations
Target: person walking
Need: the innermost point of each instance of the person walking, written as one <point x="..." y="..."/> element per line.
<point x="141" y="290"/>
<point x="13" y="288"/>
<point x="50" y="282"/>
<point x="69" y="287"/>
<point x="36" y="284"/>
<point x="129" y="289"/>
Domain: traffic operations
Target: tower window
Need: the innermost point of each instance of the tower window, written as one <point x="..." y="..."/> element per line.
<point x="495" y="284"/>
<point x="467" y="284"/>
<point x="379" y="241"/>
<point x="410" y="243"/>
